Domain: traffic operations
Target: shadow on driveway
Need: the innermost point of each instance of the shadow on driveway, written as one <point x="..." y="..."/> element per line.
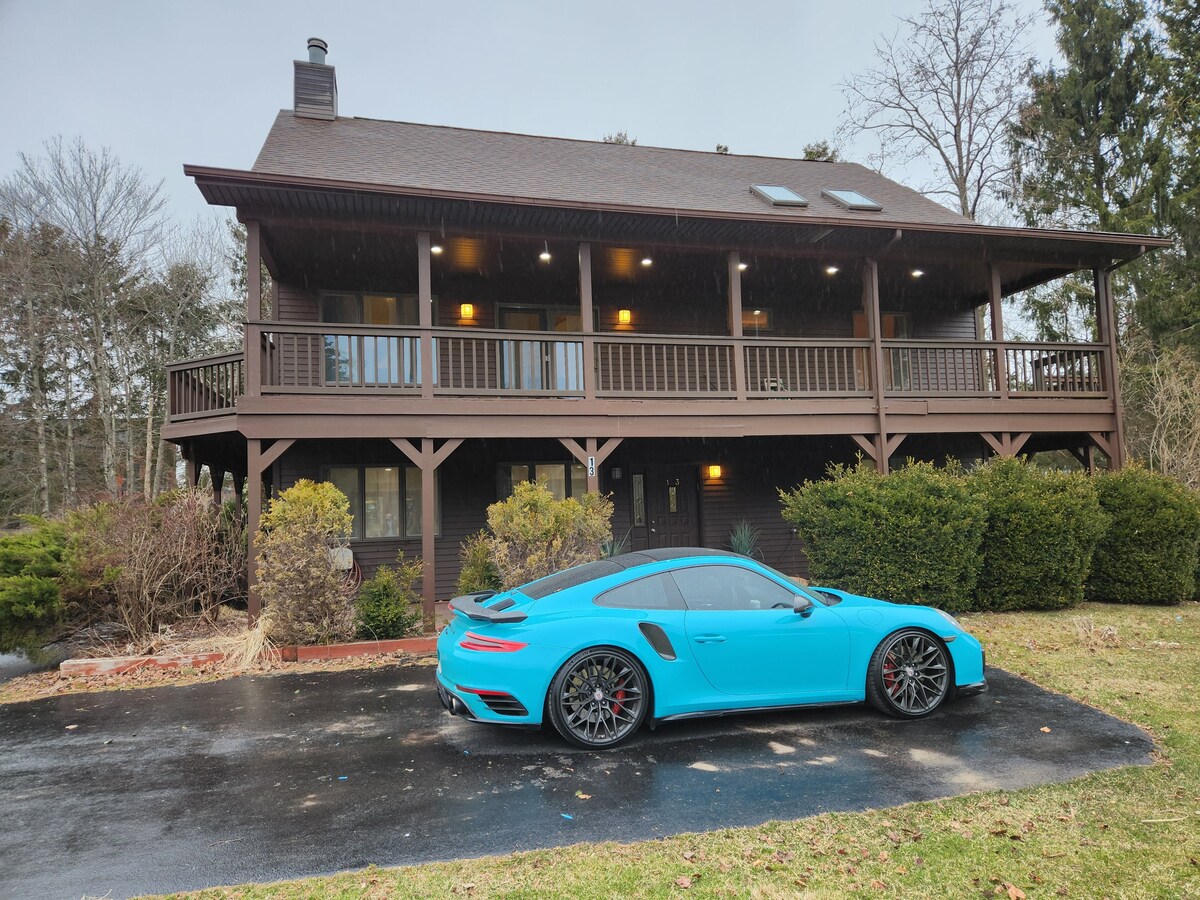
<point x="256" y="779"/>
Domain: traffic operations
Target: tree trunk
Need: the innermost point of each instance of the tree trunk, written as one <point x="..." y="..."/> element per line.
<point x="148" y="473"/>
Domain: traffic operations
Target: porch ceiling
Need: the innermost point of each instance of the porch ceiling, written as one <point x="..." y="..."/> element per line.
<point x="314" y="208"/>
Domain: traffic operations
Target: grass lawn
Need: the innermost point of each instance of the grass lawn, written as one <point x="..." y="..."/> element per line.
<point x="1126" y="833"/>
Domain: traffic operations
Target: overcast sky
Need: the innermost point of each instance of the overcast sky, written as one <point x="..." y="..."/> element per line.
<point x="165" y="83"/>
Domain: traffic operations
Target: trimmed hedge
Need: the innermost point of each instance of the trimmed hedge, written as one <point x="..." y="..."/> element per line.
<point x="1148" y="553"/>
<point x="912" y="536"/>
<point x="1042" y="531"/>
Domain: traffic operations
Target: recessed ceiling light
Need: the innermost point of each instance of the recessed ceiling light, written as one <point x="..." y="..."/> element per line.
<point x="758" y="312"/>
<point x="742" y="267"/>
<point x="544" y="256"/>
<point x="647" y="261"/>
<point x="832" y="270"/>
<point x="435" y="249"/>
<point x="917" y="273"/>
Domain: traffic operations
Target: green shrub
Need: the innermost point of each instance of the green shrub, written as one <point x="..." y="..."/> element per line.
<point x="912" y="536"/>
<point x="387" y="607"/>
<point x="305" y="599"/>
<point x="534" y="534"/>
<point x="30" y="599"/>
<point x="1148" y="553"/>
<point x="90" y="561"/>
<point x="1042" y="530"/>
<point x="477" y="570"/>
<point x="35" y="552"/>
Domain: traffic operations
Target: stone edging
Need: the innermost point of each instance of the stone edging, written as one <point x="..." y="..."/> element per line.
<point x="116" y="665"/>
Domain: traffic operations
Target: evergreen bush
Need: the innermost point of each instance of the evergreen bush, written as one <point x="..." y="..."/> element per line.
<point x="305" y="599"/>
<point x="912" y="536"/>
<point x="387" y="607"/>
<point x="1148" y="553"/>
<point x="1042" y="530"/>
<point x="30" y="599"/>
<point x="478" y="571"/>
<point x="533" y="534"/>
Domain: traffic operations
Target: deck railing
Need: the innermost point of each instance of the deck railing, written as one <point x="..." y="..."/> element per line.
<point x="208" y="386"/>
<point x="336" y="360"/>
<point x="776" y="368"/>
<point x="654" y="366"/>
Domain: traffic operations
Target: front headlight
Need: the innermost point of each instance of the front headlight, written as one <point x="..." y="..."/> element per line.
<point x="949" y="618"/>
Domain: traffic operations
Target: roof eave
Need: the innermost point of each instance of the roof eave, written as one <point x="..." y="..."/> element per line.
<point x="269" y="179"/>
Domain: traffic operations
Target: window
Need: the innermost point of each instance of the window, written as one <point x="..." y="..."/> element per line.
<point x="379" y="507"/>
<point x="369" y="309"/>
<point x="639" y="498"/>
<point x="778" y="195"/>
<point x="755" y="319"/>
<point x="653" y="592"/>
<point x="370" y="359"/>
<point x="563" y="479"/>
<point x="730" y="588"/>
<point x="851" y="200"/>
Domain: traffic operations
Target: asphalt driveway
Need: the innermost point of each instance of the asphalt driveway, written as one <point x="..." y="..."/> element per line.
<point x="255" y="779"/>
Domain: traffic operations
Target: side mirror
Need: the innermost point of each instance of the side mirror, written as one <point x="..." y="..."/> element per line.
<point x="803" y="606"/>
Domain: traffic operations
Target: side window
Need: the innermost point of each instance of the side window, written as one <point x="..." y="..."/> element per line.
<point x="729" y="588"/>
<point x="652" y="592"/>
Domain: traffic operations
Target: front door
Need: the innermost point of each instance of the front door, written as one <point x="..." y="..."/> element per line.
<point x="672" y="518"/>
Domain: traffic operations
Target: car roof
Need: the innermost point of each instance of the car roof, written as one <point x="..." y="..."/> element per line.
<point x="613" y="565"/>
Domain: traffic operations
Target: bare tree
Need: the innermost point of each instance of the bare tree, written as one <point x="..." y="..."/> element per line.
<point x="946" y="86"/>
<point x="112" y="217"/>
<point x="1162" y="399"/>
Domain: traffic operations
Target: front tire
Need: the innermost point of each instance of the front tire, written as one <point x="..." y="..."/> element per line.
<point x="909" y="675"/>
<point x="599" y="697"/>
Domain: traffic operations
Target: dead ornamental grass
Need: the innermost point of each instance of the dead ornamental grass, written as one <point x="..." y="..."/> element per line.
<point x="1131" y="832"/>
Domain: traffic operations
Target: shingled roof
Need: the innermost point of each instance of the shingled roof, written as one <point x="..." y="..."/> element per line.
<point x="500" y="165"/>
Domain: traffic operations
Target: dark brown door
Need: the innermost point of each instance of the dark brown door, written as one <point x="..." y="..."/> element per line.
<point x="671" y="501"/>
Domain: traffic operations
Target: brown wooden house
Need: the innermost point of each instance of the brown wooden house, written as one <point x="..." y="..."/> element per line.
<point x="454" y="310"/>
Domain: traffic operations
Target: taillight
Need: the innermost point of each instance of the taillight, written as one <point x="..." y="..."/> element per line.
<point x="473" y="641"/>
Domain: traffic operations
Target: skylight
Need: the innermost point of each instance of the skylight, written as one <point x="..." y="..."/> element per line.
<point x="851" y="200"/>
<point x="778" y="195"/>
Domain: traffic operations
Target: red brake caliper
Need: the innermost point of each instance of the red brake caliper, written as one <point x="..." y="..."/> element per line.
<point x="889" y="675"/>
<point x="618" y="696"/>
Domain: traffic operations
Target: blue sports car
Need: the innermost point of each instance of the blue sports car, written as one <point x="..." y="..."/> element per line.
<point x="658" y="635"/>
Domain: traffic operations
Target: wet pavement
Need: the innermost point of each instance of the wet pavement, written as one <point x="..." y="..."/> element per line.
<point x="255" y="779"/>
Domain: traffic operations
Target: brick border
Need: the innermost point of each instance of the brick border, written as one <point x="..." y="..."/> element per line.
<point x="117" y="665"/>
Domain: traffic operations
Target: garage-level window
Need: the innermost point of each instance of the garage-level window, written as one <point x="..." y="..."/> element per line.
<point x="563" y="479"/>
<point x="385" y="501"/>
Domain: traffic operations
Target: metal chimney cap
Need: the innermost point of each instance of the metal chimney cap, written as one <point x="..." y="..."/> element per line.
<point x="317" y="49"/>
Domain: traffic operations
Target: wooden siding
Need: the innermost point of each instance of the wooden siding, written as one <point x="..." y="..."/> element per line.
<point x="296" y="304"/>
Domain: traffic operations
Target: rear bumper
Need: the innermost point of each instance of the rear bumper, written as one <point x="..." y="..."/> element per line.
<point x="968" y="690"/>
<point x="454" y="704"/>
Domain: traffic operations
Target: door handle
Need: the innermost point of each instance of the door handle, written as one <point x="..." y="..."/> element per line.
<point x="709" y="639"/>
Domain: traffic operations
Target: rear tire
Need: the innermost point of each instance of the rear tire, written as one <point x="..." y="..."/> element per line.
<point x="599" y="697"/>
<point x="910" y="674"/>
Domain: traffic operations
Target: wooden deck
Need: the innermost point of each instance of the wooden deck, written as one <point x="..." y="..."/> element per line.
<point x="299" y="364"/>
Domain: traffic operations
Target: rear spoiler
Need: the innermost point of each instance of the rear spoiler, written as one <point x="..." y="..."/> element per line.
<point x="469" y="606"/>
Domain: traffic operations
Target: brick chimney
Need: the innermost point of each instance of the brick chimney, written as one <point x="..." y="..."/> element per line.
<point x="316" y="84"/>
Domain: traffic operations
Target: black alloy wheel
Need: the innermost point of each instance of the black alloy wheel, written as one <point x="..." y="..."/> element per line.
<point x="909" y="675"/>
<point x="599" y="697"/>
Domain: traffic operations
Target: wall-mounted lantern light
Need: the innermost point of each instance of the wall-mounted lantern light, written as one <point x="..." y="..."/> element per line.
<point x="466" y="311"/>
<point x="714" y="472"/>
<point x="624" y="317"/>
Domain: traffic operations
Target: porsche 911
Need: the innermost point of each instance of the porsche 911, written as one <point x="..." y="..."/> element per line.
<point x="653" y="636"/>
